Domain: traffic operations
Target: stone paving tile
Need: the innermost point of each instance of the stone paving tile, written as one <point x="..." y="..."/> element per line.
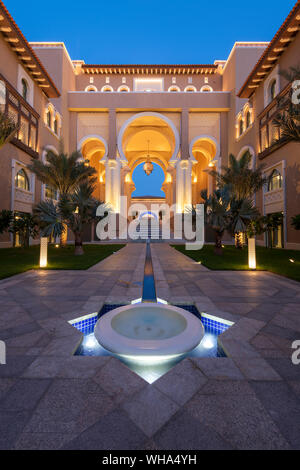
<point x="256" y="368"/>
<point x="24" y="394"/>
<point x="150" y="409"/>
<point x="184" y="432"/>
<point x="44" y="367"/>
<point x="221" y="368"/>
<point x="60" y="408"/>
<point x="15" y="366"/>
<point x="12" y="424"/>
<point x="115" y="431"/>
<point x="5" y="385"/>
<point x="181" y="382"/>
<point x="42" y="441"/>
<point x="283" y="406"/>
<point x="118" y="381"/>
<point x="82" y="366"/>
<point x="285" y="368"/>
<point x="244" y="423"/>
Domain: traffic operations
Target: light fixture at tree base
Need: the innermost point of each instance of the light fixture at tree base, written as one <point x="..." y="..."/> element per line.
<point x="148" y="166"/>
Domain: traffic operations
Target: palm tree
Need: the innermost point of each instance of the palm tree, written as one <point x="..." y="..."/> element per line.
<point x="74" y="210"/>
<point x="242" y="214"/>
<point x="8" y="128"/>
<point x="242" y="180"/>
<point x="217" y="214"/>
<point x="64" y="173"/>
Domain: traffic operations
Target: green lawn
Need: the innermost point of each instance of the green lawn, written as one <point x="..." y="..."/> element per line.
<point x="17" y="260"/>
<point x="276" y="261"/>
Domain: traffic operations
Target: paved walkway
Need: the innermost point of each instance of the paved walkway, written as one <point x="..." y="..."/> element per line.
<point x="50" y="399"/>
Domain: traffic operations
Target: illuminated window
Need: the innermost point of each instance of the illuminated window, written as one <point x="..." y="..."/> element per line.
<point x="107" y="89"/>
<point x="173" y="89"/>
<point x="24" y="89"/>
<point x="49" y="118"/>
<point x="190" y="89"/>
<point x="91" y="88"/>
<point x="206" y="89"/>
<point x="55" y="126"/>
<point x="275" y="181"/>
<point x="22" y="181"/>
<point x="51" y="193"/>
<point x="241" y="127"/>
<point x="123" y="89"/>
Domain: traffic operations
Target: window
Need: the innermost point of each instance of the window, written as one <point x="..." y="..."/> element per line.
<point x="206" y="89"/>
<point x="22" y="181"/>
<point x="275" y="181"/>
<point x="55" y="126"/>
<point x="190" y="89"/>
<point x="174" y="89"/>
<point x="241" y="127"/>
<point x="272" y="90"/>
<point x="107" y="89"/>
<point x="91" y="88"/>
<point x="124" y="88"/>
<point x="248" y="119"/>
<point x="51" y="193"/>
<point x="24" y="89"/>
<point x="49" y="118"/>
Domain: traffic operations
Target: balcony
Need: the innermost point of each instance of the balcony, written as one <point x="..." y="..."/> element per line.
<point x="13" y="104"/>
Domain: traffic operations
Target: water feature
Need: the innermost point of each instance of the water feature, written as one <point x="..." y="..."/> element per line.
<point x="150" y="336"/>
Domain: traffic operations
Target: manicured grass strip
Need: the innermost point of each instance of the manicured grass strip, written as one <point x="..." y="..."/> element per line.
<point x="276" y="260"/>
<point x="18" y="260"/>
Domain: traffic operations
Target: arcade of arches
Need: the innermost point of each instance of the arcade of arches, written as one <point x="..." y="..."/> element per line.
<point x="163" y="140"/>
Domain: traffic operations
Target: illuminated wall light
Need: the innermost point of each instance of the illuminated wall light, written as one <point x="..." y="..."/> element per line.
<point x="251" y="253"/>
<point x="44" y="252"/>
<point x="292" y="260"/>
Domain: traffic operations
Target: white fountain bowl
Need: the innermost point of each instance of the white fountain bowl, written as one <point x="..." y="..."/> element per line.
<point x="149" y="329"/>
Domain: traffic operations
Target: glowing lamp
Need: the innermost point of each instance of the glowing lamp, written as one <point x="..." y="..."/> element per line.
<point x="43" y="252"/>
<point x="251" y="253"/>
<point x="292" y="260"/>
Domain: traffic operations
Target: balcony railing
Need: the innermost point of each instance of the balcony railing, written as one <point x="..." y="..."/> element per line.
<point x="27" y="119"/>
<point x="269" y="136"/>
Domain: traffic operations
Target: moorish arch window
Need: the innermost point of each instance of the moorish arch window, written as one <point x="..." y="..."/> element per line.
<point x="248" y="119"/>
<point x="107" y="89"/>
<point x="190" y="89"/>
<point x="206" y="89"/>
<point x="174" y="89"/>
<point x="275" y="180"/>
<point x="241" y="127"/>
<point x="91" y="88"/>
<point x="123" y="89"/>
<point x="22" y="181"/>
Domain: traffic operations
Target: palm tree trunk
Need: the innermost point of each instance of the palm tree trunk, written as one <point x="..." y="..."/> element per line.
<point x="239" y="240"/>
<point x="218" y="244"/>
<point x="78" y="245"/>
<point x="64" y="236"/>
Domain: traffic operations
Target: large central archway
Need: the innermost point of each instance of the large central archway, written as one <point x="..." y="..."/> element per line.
<point x="149" y="135"/>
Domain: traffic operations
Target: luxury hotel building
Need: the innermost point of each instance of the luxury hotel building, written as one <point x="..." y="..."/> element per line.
<point x="185" y="118"/>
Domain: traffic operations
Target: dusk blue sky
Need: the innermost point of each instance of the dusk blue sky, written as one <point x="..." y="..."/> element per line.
<point x="156" y="31"/>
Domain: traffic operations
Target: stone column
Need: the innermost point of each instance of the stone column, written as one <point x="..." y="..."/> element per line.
<point x="185" y="150"/>
<point x="113" y="183"/>
<point x="183" y="184"/>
